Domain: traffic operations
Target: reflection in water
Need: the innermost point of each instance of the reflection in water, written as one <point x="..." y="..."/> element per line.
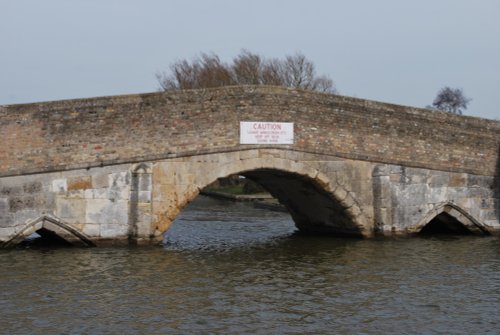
<point x="235" y="269"/>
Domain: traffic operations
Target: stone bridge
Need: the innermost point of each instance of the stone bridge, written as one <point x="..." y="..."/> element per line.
<point x="120" y="169"/>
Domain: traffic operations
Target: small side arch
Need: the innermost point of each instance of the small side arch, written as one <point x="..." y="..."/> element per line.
<point x="452" y="218"/>
<point x="52" y="225"/>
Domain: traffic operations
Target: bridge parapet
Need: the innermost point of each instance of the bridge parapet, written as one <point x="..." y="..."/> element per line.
<point x="83" y="133"/>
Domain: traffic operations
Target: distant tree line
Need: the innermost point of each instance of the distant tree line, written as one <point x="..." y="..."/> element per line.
<point x="247" y="68"/>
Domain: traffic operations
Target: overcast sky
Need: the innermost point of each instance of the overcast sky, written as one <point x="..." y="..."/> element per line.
<point x="387" y="50"/>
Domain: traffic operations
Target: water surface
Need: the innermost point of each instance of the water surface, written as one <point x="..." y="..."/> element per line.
<point x="231" y="269"/>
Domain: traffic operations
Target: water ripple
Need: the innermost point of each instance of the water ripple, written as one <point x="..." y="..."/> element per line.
<point x="255" y="275"/>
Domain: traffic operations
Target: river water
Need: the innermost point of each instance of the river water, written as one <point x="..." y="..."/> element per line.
<point x="228" y="268"/>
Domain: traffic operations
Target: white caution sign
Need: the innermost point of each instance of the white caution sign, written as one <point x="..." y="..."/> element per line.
<point x="253" y="132"/>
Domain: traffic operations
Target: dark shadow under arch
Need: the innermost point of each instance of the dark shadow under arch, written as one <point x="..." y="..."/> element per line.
<point x="51" y="228"/>
<point x="312" y="208"/>
<point x="448" y="218"/>
<point x="445" y="224"/>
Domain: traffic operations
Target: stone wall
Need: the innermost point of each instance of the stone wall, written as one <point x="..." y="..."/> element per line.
<point x="138" y="202"/>
<point x="84" y="133"/>
<point x="94" y="201"/>
<point x="116" y="169"/>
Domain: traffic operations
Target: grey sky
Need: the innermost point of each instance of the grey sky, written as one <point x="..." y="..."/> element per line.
<point x="388" y="50"/>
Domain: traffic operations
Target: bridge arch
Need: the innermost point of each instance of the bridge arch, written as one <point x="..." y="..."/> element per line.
<point x="51" y="227"/>
<point x="315" y="202"/>
<point x="451" y="218"/>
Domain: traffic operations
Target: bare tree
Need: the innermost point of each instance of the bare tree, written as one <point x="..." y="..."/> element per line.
<point x="207" y="70"/>
<point x="451" y="100"/>
<point x="247" y="69"/>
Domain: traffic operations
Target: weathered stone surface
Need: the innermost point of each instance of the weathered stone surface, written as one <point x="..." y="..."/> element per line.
<point x="342" y="174"/>
<point x="458" y="180"/>
<point x="71" y="210"/>
<point x="79" y="183"/>
<point x="329" y="125"/>
<point x="33" y="187"/>
<point x="107" y="203"/>
<point x="100" y="181"/>
<point x="92" y="230"/>
<point x="4" y="205"/>
<point x="106" y="211"/>
<point x="59" y="185"/>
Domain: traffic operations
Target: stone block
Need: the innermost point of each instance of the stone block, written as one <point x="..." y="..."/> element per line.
<point x="144" y="224"/>
<point x="488" y="203"/>
<point x="411" y="194"/>
<point x="458" y="180"/>
<point x="495" y="224"/>
<point x="417" y="178"/>
<point x="100" y="181"/>
<point x="437" y="194"/>
<point x="144" y="181"/>
<point x="410" y="215"/>
<point x="396" y="169"/>
<point x="480" y="181"/>
<point x="489" y="214"/>
<point x="119" y="179"/>
<point x="75" y="194"/>
<point x="113" y="230"/>
<point x="20" y="218"/>
<point x="385" y="216"/>
<point x="99" y="193"/>
<point x="455" y="193"/>
<point x="164" y="211"/>
<point x="349" y="201"/>
<point x="335" y="166"/>
<point x="397" y="178"/>
<point x="92" y="230"/>
<point x="342" y="178"/>
<point x="32" y="187"/>
<point x="119" y="193"/>
<point x="71" y="210"/>
<point x="381" y="180"/>
<point x="60" y="185"/>
<point x="270" y="153"/>
<point x="5" y="219"/>
<point x="293" y="155"/>
<point x="227" y="157"/>
<point x="479" y="192"/>
<point x="6" y="233"/>
<point x="184" y="177"/>
<point x="340" y="194"/>
<point x="144" y="196"/>
<point x="385" y="192"/>
<point x="380" y="170"/>
<point x="164" y="173"/>
<point x="20" y="203"/>
<point x="11" y="190"/>
<point x="106" y="211"/>
<point x="439" y="179"/>
<point x="164" y="192"/>
<point x="4" y="205"/>
<point x="79" y="183"/>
